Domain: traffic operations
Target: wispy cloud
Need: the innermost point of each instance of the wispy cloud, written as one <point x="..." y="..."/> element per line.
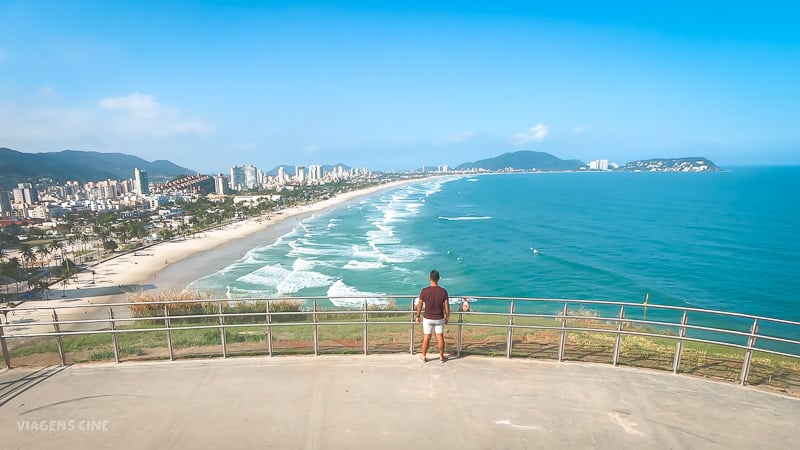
<point x="311" y="149"/>
<point x="139" y="113"/>
<point x="536" y="133"/>
<point x="132" y="121"/>
<point x="580" y="130"/>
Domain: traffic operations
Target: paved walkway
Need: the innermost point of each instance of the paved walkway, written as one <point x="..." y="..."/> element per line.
<point x="384" y="402"/>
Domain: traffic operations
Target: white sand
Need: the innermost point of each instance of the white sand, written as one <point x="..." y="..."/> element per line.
<point x="115" y="279"/>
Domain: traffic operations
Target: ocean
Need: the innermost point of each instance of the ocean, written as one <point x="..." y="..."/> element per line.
<point x="724" y="240"/>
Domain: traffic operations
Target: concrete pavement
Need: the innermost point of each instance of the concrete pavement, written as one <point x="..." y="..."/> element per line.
<point x="386" y="402"/>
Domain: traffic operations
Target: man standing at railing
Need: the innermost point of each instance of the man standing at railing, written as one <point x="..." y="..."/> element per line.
<point x="437" y="315"/>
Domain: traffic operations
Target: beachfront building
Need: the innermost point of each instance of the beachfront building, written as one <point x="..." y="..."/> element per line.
<point x="141" y="183"/>
<point x="314" y="172"/>
<point x="244" y="177"/>
<point x="250" y="176"/>
<point x="598" y="164"/>
<point x="237" y="178"/>
<point x="221" y="185"/>
<point x="282" y="178"/>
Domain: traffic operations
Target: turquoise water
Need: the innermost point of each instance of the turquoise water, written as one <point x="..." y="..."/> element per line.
<point x="727" y="240"/>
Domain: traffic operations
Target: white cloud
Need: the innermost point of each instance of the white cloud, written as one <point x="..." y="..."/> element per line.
<point x="311" y="148"/>
<point x="142" y="114"/>
<point x="534" y="134"/>
<point x="133" y="121"/>
<point x="580" y="130"/>
<point x="19" y="125"/>
<point x="136" y="102"/>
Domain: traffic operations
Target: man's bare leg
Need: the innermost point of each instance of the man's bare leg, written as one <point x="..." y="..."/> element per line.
<point x="440" y="344"/>
<point x="426" y="341"/>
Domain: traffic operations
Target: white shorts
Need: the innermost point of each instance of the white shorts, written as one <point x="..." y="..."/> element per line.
<point x="429" y="325"/>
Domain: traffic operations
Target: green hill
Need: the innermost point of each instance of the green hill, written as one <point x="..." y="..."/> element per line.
<point x="16" y="167"/>
<point x="524" y="160"/>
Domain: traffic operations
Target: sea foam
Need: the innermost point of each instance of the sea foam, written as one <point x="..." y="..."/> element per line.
<point x="341" y="294"/>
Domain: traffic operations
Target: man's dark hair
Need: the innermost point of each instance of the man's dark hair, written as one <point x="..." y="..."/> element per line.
<point x="434" y="275"/>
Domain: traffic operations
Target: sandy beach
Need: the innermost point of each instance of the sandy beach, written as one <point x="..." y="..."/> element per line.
<point x="174" y="264"/>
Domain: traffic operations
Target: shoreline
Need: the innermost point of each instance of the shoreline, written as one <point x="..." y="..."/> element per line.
<point x="174" y="264"/>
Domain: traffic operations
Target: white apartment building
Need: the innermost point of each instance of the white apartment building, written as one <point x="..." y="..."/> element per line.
<point x="598" y="164"/>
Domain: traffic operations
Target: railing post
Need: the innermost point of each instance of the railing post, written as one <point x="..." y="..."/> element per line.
<point x="59" y="340"/>
<point x="316" y="336"/>
<point x="113" y="333"/>
<point x="748" y="354"/>
<point x="676" y="363"/>
<point x="169" y="332"/>
<point x="413" y="322"/>
<point x="459" y="338"/>
<point x="269" y="330"/>
<point x="563" y="340"/>
<point x="618" y="340"/>
<point x="3" y="344"/>
<point x="510" y="336"/>
<point x="222" y="332"/>
<point x="365" y="327"/>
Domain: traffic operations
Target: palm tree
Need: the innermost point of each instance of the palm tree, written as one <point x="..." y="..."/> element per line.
<point x="28" y="255"/>
<point x="43" y="250"/>
<point x="57" y="246"/>
<point x="71" y="240"/>
<point x="11" y="269"/>
<point x="81" y="238"/>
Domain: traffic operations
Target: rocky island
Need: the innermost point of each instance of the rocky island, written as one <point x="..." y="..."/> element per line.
<point x="698" y="164"/>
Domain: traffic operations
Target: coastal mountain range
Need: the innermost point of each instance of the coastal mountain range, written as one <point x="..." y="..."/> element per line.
<point x="83" y="166"/>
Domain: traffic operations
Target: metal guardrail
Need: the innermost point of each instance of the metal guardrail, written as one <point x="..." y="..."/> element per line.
<point x="593" y="316"/>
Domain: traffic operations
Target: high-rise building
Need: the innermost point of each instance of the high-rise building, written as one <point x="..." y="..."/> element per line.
<point x="237" y="178"/>
<point x="598" y="164"/>
<point x="300" y="174"/>
<point x="250" y="176"/>
<point x="314" y="172"/>
<point x="26" y="194"/>
<point x="5" y="202"/>
<point x="244" y="177"/>
<point x="281" y="175"/>
<point x="220" y="185"/>
<point x="141" y="184"/>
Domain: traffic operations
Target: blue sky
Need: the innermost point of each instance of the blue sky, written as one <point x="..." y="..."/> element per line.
<point x="394" y="86"/>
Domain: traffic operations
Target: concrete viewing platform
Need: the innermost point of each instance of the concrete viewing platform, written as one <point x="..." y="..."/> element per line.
<point x="386" y="402"/>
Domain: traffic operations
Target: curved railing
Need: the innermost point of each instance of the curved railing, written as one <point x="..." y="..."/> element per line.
<point x="719" y="344"/>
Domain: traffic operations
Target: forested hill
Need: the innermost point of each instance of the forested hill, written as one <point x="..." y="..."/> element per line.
<point x="16" y="167"/>
<point x="524" y="160"/>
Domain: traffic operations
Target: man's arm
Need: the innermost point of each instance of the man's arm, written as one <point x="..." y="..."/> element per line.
<point x="419" y="310"/>
<point x="446" y="310"/>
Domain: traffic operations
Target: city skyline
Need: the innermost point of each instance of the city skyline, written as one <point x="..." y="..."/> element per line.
<point x="398" y="87"/>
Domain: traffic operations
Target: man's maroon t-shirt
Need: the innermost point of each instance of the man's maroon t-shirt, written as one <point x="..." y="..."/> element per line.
<point x="434" y="298"/>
